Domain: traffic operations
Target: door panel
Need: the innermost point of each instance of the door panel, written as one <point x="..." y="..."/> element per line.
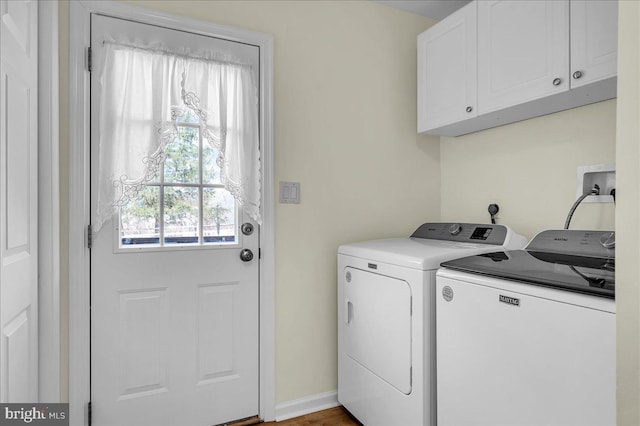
<point x="594" y="40"/>
<point x="174" y="331"/>
<point x="523" y="46"/>
<point x="18" y="201"/>
<point x="447" y="70"/>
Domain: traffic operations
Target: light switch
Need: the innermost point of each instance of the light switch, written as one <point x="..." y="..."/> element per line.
<point x="290" y="192"/>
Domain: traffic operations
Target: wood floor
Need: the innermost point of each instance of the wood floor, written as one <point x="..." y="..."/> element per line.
<point x="337" y="416"/>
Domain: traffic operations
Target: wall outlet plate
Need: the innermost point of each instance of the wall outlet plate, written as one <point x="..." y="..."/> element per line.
<point x="602" y="174"/>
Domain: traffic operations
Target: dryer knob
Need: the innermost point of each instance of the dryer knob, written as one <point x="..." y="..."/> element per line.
<point x="455" y="229"/>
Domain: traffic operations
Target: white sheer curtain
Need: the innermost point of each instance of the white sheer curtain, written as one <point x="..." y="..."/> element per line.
<point x="143" y="90"/>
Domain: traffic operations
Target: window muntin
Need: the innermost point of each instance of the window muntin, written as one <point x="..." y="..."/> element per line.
<point x="186" y="203"/>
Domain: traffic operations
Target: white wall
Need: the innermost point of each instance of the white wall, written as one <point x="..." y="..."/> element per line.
<point x="345" y="128"/>
<point x="529" y="170"/>
<point x="628" y="215"/>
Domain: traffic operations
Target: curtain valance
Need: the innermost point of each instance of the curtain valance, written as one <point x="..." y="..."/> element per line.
<point x="143" y="90"/>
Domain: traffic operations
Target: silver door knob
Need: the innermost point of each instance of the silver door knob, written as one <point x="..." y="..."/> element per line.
<point x="246" y="255"/>
<point x="577" y="74"/>
<point x="557" y="81"/>
<point x="247" y="228"/>
<point x="469" y="109"/>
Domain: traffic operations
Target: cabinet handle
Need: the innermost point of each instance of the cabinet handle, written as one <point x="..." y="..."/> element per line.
<point x="469" y="109"/>
<point x="577" y="74"/>
<point x="557" y="81"/>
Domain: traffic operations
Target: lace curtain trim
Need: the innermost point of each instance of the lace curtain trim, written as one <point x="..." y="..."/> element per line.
<point x="127" y="189"/>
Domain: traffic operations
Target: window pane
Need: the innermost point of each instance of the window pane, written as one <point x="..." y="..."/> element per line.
<point x="140" y="219"/>
<point x="219" y="216"/>
<point x="181" y="164"/>
<point x="185" y="115"/>
<point x="210" y="169"/>
<point x="180" y="215"/>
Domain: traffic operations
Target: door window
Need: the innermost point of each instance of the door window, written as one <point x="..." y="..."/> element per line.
<point x="185" y="203"/>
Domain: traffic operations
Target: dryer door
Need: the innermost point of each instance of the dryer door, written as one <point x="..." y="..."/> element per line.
<point x="378" y="325"/>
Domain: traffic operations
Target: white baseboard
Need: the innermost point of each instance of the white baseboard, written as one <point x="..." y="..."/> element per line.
<point x="302" y="406"/>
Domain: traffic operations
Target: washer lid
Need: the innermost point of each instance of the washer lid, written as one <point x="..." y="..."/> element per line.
<point x="581" y="274"/>
<point x="416" y="253"/>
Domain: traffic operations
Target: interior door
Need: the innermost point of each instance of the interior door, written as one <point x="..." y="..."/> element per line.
<point x="18" y="201"/>
<point x="174" y="309"/>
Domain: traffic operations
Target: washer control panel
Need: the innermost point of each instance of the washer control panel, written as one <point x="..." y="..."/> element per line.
<point x="573" y="242"/>
<point x="463" y="232"/>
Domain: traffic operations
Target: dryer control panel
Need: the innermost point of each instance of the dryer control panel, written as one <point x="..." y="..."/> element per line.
<point x="463" y="232"/>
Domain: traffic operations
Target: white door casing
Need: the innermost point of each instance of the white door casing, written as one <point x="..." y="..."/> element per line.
<point x="174" y="329"/>
<point x="18" y="201"/>
<point x="80" y="12"/>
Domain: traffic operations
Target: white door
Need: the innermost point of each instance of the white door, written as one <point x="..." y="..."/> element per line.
<point x="447" y="70"/>
<point x="174" y="310"/>
<point x="18" y="201"/>
<point x="594" y="41"/>
<point x="523" y="51"/>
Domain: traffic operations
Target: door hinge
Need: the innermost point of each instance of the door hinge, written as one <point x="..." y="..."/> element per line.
<point x="259" y="253"/>
<point x="89" y="237"/>
<point x="89" y="413"/>
<point x="89" y="59"/>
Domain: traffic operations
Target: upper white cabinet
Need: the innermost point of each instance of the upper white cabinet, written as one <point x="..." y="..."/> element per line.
<point x="447" y="64"/>
<point x="594" y="41"/>
<point x="523" y="51"/>
<point x="495" y="62"/>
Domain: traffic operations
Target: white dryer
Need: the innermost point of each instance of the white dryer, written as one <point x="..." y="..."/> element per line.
<point x="386" y="318"/>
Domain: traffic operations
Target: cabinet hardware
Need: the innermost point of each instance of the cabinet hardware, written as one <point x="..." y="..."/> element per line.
<point x="469" y="109"/>
<point x="557" y="81"/>
<point x="577" y="74"/>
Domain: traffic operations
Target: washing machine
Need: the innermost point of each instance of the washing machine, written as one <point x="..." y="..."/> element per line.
<point x="386" y="318"/>
<point x="527" y="337"/>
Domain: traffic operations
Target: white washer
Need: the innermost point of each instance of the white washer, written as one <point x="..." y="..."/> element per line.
<point x="527" y="337"/>
<point x="386" y="318"/>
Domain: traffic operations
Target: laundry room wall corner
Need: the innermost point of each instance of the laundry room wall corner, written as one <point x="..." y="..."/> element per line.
<point x="627" y="216"/>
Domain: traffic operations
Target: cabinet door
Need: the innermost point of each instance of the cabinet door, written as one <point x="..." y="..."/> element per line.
<point x="447" y="68"/>
<point x="523" y="51"/>
<point x="594" y="41"/>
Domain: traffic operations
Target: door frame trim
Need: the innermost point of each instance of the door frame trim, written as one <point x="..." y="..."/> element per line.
<point x="48" y="205"/>
<point x="79" y="185"/>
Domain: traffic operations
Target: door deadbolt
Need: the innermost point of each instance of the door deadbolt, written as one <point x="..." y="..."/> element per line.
<point x="246" y="255"/>
<point x="247" y="228"/>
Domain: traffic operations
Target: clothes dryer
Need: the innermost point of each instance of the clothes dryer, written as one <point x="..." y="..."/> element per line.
<point x="386" y="318"/>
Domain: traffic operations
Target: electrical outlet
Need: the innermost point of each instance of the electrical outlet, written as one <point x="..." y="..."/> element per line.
<point x="604" y="175"/>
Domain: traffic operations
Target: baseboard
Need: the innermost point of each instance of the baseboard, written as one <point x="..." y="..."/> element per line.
<point x="309" y="404"/>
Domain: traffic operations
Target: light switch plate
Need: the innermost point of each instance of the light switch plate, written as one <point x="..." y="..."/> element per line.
<point x="290" y="192"/>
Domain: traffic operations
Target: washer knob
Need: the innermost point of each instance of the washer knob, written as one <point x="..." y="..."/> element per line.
<point x="455" y="229"/>
<point x="608" y="240"/>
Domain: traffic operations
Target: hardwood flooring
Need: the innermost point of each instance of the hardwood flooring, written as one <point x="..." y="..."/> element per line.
<point x="337" y="416"/>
